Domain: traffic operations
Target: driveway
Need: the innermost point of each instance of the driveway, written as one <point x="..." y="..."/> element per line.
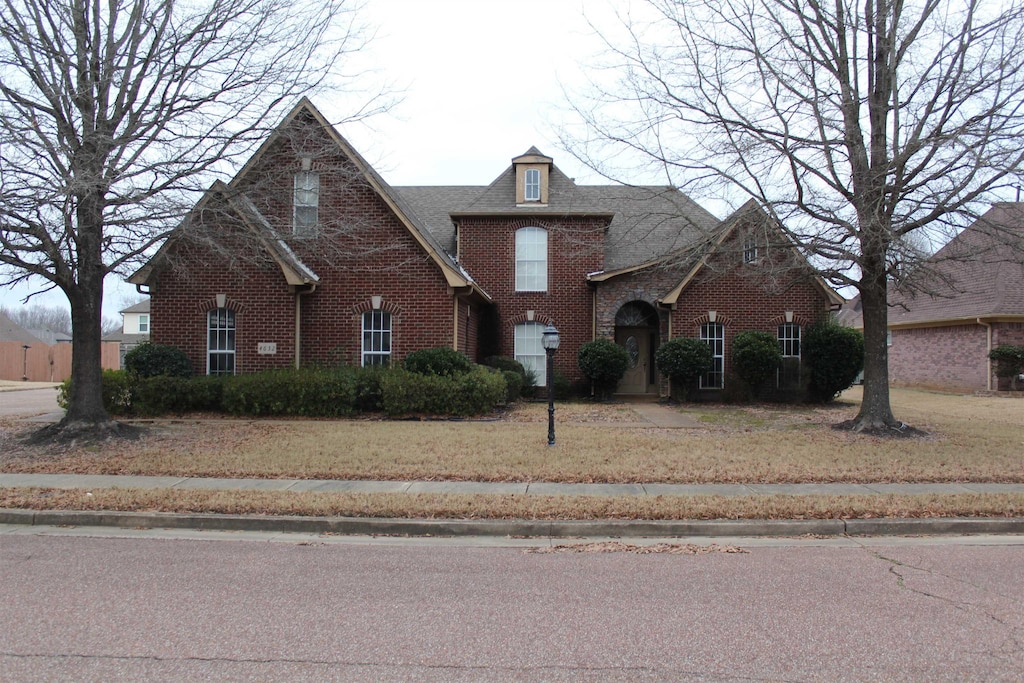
<point x="19" y="400"/>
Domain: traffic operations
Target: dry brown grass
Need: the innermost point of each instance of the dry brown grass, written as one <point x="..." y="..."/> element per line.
<point x="458" y="506"/>
<point x="979" y="439"/>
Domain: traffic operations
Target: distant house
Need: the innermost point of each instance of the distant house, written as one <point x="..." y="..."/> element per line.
<point x="974" y="302"/>
<point x="11" y="331"/>
<point x="134" y="329"/>
<point x="309" y="256"/>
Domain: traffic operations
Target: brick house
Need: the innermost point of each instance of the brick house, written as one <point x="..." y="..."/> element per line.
<point x="972" y="301"/>
<point x="309" y="256"/>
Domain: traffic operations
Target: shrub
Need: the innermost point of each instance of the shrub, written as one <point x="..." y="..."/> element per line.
<point x="369" y="395"/>
<point x="1009" y="362"/>
<point x="755" y="358"/>
<point x="472" y="393"/>
<point x="442" y="361"/>
<point x="311" y="392"/>
<point x="116" y="388"/>
<point x="163" y="394"/>
<point x="513" y="385"/>
<point x="834" y="356"/>
<point x="683" y="360"/>
<point x="603" y="362"/>
<point x="151" y="360"/>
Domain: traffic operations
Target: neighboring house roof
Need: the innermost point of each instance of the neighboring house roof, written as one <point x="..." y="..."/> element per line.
<point x="978" y="274"/>
<point x="141" y="307"/>
<point x="11" y="331"/>
<point x="120" y="336"/>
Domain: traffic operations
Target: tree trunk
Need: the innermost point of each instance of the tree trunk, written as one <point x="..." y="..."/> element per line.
<point x="875" y="409"/>
<point x="85" y="400"/>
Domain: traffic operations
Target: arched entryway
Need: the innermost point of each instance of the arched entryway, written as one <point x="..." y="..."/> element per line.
<point x="636" y="330"/>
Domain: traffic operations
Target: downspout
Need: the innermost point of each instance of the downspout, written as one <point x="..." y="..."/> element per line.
<point x="988" y="358"/>
<point x="455" y="325"/>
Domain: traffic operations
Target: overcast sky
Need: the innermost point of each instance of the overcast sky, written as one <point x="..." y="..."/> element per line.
<point x="481" y="83"/>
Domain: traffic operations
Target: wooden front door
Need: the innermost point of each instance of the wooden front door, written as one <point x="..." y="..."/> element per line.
<point x="637" y="342"/>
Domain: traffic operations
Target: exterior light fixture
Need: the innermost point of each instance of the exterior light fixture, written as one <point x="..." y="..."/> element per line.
<point x="550" y="341"/>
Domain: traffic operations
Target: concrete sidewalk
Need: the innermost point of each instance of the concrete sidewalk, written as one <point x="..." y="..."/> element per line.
<point x="86" y="481"/>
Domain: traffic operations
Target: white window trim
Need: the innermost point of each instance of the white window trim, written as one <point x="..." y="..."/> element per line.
<point x="798" y="338"/>
<point x="528" y="186"/>
<point x="531" y="282"/>
<point x="529" y="350"/>
<point x="750" y="249"/>
<point x="229" y="326"/>
<point x="718" y="357"/>
<point x="376" y="351"/>
<point x="143" y="323"/>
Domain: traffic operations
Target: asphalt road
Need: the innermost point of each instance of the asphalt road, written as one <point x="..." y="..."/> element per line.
<point x="116" y="609"/>
<point x="28" y="402"/>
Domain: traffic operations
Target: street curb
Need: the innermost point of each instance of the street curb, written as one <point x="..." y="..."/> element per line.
<point x="357" y="526"/>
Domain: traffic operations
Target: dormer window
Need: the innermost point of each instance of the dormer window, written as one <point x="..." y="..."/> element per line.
<point x="532" y="188"/>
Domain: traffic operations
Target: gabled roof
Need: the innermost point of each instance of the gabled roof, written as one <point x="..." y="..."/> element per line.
<point x="751" y="211"/>
<point x="644" y="222"/>
<point x="294" y="270"/>
<point x="978" y="274"/>
<point x="141" y="307"/>
<point x="453" y="273"/>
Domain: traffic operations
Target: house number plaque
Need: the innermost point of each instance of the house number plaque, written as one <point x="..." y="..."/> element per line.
<point x="266" y="348"/>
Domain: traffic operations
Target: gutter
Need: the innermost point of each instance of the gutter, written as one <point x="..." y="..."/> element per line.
<point x="299" y="292"/>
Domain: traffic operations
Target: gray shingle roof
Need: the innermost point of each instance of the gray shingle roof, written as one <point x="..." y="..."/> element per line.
<point x="11" y="331"/>
<point x="646" y="221"/>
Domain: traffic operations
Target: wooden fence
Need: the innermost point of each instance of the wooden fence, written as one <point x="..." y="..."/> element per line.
<point x="44" y="363"/>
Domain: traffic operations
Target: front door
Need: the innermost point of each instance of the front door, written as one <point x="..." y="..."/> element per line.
<point x="637" y="342"/>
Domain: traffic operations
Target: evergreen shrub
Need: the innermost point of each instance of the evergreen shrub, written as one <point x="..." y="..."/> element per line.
<point x="834" y="357"/>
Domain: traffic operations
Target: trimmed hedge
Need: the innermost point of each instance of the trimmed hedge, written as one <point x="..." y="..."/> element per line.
<point x="152" y="360"/>
<point x="309" y="392"/>
<point x="472" y="393"/>
<point x="442" y="361"/>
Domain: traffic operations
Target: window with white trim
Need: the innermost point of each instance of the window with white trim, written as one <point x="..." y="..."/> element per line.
<point x="531" y="191"/>
<point x="376" y="338"/>
<point x="789" y="347"/>
<point x="144" y="323"/>
<point x="307" y="203"/>
<point x="220" y="342"/>
<point x="714" y="335"/>
<point x="530" y="351"/>
<point x="531" y="260"/>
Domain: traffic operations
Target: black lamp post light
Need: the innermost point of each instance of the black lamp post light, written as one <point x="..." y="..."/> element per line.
<point x="549" y="340"/>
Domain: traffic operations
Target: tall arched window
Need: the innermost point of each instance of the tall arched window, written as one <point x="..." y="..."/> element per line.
<point x="220" y="342"/>
<point x="714" y="335"/>
<point x="376" y="338"/>
<point x="531" y="260"/>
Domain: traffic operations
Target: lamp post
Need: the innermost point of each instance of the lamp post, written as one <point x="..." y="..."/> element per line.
<point x="549" y="340"/>
<point x="24" y="367"/>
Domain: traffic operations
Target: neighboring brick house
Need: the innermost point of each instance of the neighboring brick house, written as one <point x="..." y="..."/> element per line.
<point x="972" y="301"/>
<point x="309" y="256"/>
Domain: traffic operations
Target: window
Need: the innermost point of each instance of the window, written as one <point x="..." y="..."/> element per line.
<point x="144" y="323"/>
<point x="531" y="260"/>
<point x="749" y="249"/>
<point x="532" y="189"/>
<point x="220" y="345"/>
<point x="376" y="338"/>
<point x="789" y="340"/>
<point x="714" y="335"/>
<point x="307" y="202"/>
<point x="530" y="351"/>
<point x="789" y="346"/>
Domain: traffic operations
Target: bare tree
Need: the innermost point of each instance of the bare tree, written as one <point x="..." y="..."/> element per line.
<point x="115" y="115"/>
<point x="857" y="124"/>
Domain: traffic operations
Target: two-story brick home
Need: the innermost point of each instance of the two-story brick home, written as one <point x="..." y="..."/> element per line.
<point x="309" y="256"/>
